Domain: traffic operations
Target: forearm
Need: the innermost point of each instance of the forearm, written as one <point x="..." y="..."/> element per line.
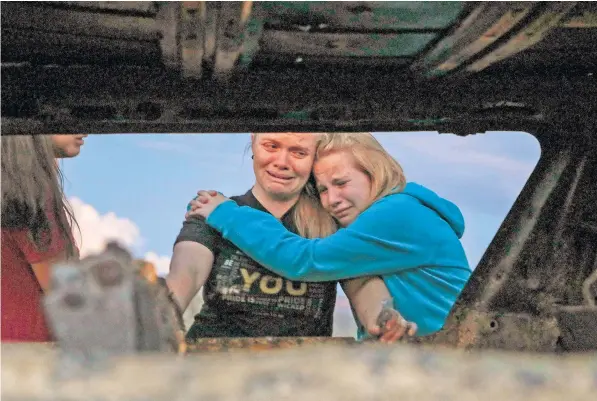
<point x="189" y="269"/>
<point x="366" y="295"/>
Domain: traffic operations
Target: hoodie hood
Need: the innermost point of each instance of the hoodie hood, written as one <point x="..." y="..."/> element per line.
<point x="443" y="207"/>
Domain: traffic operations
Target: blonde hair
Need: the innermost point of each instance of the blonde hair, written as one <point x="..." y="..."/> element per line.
<point x="385" y="173"/>
<point x="32" y="183"/>
<point x="310" y="218"/>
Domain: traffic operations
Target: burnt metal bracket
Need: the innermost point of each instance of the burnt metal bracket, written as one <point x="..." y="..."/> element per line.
<point x="192" y="38"/>
<point x="167" y="19"/>
<point x="109" y="305"/>
<point x="231" y="36"/>
<point x="183" y="36"/>
<point x="198" y="33"/>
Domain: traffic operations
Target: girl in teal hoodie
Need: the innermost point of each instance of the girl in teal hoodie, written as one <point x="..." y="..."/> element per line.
<point x="404" y="233"/>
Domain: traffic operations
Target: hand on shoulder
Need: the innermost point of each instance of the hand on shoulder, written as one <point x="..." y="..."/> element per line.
<point x="204" y="203"/>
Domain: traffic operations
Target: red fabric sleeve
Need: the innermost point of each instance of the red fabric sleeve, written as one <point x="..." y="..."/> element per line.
<point x="54" y="247"/>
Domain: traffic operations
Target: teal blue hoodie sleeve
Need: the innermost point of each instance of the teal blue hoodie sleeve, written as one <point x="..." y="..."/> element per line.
<point x="393" y="234"/>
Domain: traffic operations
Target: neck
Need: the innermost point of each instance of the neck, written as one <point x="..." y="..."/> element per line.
<point x="277" y="207"/>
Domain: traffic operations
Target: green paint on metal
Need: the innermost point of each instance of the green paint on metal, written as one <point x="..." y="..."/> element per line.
<point x="297" y="115"/>
<point x="401" y="45"/>
<point x="428" y="121"/>
<point x="252" y="33"/>
<point x="279" y="7"/>
<point x="421" y="15"/>
<point x="378" y="15"/>
<point x="354" y="19"/>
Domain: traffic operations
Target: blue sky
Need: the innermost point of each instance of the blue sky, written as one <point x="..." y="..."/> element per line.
<point x="149" y="178"/>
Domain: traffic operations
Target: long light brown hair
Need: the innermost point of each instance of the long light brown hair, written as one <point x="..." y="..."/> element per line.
<point x="32" y="190"/>
<point x="311" y="219"/>
<point x="371" y="158"/>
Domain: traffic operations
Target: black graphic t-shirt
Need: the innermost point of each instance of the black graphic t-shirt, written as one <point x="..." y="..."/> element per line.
<point x="244" y="299"/>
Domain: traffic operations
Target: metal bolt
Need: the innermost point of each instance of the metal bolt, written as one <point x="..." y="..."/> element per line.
<point x="533" y="283"/>
<point x="73" y="300"/>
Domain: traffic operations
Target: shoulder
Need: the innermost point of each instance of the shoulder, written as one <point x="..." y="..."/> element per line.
<point x="197" y="230"/>
<point x="241" y="200"/>
<point x="21" y="241"/>
<point x="393" y="206"/>
<point x="399" y="198"/>
<point x="392" y="214"/>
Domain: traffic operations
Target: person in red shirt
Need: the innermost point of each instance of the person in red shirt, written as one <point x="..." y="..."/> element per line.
<point x="36" y="229"/>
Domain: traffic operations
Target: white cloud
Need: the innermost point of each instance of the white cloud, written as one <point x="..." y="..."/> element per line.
<point x="96" y="230"/>
<point x="161" y="263"/>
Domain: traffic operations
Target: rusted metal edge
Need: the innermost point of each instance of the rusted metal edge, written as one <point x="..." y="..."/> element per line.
<point x="224" y="344"/>
<point x="549" y="17"/>
<point x="331" y="372"/>
<point x="588" y="19"/>
<point x="471" y="329"/>
<point x="261" y="343"/>
<point x="502" y="26"/>
<point x="481" y="18"/>
<point x="508" y="331"/>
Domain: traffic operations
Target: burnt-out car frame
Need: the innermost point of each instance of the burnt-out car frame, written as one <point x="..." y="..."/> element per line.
<point x="457" y="67"/>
